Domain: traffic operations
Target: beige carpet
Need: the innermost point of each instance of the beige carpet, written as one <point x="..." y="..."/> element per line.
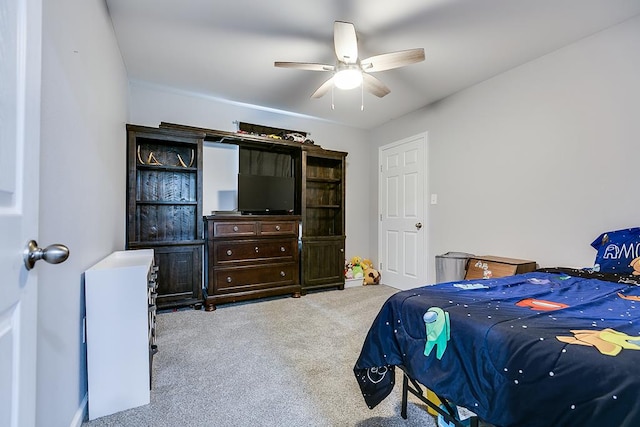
<point x="275" y="362"/>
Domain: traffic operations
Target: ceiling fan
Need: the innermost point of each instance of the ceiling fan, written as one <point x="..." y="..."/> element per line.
<point x="350" y="72"/>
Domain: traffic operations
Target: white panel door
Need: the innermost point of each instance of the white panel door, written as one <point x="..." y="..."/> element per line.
<point x="20" y="53"/>
<point x="402" y="231"/>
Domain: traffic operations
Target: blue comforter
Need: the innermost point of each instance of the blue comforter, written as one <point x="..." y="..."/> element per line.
<point x="537" y="349"/>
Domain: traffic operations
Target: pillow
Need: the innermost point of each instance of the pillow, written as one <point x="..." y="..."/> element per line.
<point x="616" y="251"/>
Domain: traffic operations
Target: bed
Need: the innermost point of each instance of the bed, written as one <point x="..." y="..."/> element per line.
<point x="555" y="347"/>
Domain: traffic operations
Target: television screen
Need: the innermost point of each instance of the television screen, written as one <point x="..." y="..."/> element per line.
<point x="265" y="194"/>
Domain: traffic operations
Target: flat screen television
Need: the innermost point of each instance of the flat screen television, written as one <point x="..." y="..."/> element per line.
<point x="261" y="194"/>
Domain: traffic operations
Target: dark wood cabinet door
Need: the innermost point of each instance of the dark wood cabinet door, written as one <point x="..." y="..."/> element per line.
<point x="179" y="275"/>
<point x="322" y="263"/>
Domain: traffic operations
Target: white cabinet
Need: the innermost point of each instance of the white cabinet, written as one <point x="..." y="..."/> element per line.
<point x="118" y="331"/>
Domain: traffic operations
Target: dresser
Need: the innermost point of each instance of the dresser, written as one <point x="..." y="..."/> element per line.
<point x="120" y="295"/>
<point x="489" y="266"/>
<point x="251" y="256"/>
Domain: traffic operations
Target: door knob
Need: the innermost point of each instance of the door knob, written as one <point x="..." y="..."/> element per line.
<point x="418" y="225"/>
<point x="53" y="254"/>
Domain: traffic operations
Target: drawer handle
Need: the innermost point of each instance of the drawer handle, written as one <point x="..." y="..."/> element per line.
<point x="228" y="279"/>
<point x="282" y="249"/>
<point x="282" y="274"/>
<point x="229" y="252"/>
<point x="277" y="228"/>
<point x="257" y="249"/>
<point x="235" y="228"/>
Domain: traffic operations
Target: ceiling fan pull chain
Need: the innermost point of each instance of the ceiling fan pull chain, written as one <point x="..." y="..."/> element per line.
<point x="362" y="97"/>
<point x="333" y="107"/>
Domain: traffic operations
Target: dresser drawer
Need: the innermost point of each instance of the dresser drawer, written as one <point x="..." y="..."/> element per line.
<point x="251" y="251"/>
<point x="235" y="229"/>
<point x="279" y="228"/>
<point x="254" y="277"/>
<point x="488" y="267"/>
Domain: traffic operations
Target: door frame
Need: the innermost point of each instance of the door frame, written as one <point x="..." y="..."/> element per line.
<point x="425" y="145"/>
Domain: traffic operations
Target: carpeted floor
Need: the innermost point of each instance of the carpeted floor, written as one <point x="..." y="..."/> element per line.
<point x="276" y="362"/>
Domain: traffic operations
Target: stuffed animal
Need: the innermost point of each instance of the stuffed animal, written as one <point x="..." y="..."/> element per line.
<point x="356" y="267"/>
<point x="358" y="272"/>
<point x="348" y="271"/>
<point x="371" y="277"/>
<point x="366" y="263"/>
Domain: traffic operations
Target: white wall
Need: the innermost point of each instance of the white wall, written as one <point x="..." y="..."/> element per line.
<point x="82" y="188"/>
<point x="151" y="105"/>
<point x="538" y="161"/>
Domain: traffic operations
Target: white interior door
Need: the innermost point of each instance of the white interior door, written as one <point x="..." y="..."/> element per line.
<point x="20" y="53"/>
<point x="402" y="231"/>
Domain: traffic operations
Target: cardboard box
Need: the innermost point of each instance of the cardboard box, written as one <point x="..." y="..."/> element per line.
<point x="489" y="267"/>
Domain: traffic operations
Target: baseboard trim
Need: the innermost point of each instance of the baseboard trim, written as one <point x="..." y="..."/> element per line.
<point x="352" y="283"/>
<point x="80" y="413"/>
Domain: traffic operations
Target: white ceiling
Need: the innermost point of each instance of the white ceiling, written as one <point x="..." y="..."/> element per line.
<point x="226" y="48"/>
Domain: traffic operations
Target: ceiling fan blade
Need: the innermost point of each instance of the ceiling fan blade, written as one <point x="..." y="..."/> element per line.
<point x="374" y="86"/>
<point x="389" y="61"/>
<point x="304" y="66"/>
<point x="345" y="42"/>
<point x="323" y="89"/>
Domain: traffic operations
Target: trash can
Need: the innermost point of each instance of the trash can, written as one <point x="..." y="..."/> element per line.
<point x="451" y="266"/>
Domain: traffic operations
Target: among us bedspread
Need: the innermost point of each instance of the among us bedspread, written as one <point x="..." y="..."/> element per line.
<point x="537" y="349"/>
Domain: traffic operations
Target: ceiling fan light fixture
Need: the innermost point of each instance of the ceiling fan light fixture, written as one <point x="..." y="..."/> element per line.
<point x="349" y="78"/>
<point x="349" y="71"/>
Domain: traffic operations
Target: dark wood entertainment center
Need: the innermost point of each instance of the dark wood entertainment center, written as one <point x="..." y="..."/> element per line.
<point x="246" y="256"/>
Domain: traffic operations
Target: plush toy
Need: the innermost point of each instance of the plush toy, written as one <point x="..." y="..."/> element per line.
<point x="358" y="272"/>
<point x="371" y="277"/>
<point x="366" y="263"/>
<point x="356" y="267"/>
<point x="348" y="271"/>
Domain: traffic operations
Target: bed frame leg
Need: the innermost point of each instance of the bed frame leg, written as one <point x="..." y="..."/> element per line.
<point x="405" y="387"/>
